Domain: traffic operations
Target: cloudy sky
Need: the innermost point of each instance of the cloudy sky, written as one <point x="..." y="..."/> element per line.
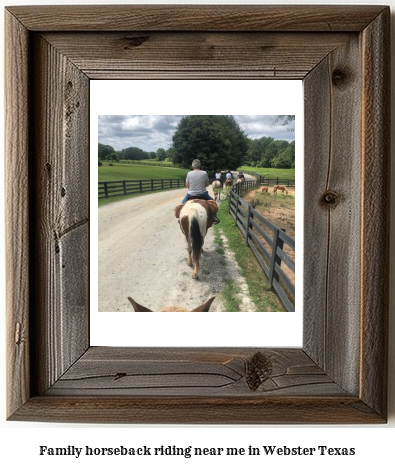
<point x="150" y="132"/>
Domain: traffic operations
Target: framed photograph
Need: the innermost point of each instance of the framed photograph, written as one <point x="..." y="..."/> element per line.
<point x="339" y="375"/>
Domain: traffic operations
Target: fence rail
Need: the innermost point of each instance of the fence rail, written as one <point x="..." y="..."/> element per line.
<point x="270" y="244"/>
<point x="153" y="163"/>
<point x="262" y="180"/>
<point x="122" y="188"/>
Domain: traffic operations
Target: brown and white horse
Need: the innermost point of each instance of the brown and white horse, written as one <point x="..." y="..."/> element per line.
<point x="217" y="185"/>
<point x="281" y="188"/>
<point x="202" y="308"/>
<point x="196" y="216"/>
<point x="228" y="183"/>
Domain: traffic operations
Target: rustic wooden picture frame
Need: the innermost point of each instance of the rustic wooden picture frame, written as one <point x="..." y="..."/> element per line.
<point x="340" y="374"/>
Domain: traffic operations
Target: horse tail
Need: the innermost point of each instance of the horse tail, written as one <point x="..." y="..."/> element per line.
<point x="195" y="239"/>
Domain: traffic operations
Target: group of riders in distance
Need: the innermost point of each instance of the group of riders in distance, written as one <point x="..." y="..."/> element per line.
<point x="197" y="181"/>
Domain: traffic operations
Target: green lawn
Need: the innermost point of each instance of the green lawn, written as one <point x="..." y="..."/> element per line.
<point x="281" y="173"/>
<point x="124" y="171"/>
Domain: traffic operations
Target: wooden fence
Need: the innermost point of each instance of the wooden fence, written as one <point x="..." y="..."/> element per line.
<point x="263" y="181"/>
<point x="122" y="188"/>
<point x="152" y="163"/>
<point x="272" y="247"/>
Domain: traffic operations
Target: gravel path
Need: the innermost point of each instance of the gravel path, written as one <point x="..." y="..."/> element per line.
<point x="142" y="254"/>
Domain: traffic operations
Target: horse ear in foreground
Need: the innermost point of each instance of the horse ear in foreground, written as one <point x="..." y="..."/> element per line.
<point x="196" y="216"/>
<point x="202" y="308"/>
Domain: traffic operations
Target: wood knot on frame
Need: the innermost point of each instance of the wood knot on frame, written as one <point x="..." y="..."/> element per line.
<point x="133" y="41"/>
<point x="340" y="77"/>
<point x="330" y="199"/>
<point x="259" y="369"/>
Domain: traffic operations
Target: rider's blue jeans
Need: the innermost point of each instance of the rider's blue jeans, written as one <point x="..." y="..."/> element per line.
<point x="204" y="195"/>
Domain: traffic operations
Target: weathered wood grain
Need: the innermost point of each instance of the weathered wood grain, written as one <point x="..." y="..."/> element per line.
<point x="210" y="372"/>
<point x="17" y="213"/>
<point x="196" y="18"/>
<point x="60" y="212"/>
<point x="332" y="217"/>
<point x="339" y="376"/>
<point x="375" y="211"/>
<point x="193" y="55"/>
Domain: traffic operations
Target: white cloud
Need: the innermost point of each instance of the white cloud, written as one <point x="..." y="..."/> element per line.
<point x="150" y="132"/>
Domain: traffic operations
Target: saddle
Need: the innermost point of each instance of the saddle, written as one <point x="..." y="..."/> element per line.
<point x="212" y="205"/>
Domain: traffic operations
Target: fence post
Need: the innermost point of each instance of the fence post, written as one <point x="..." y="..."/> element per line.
<point x="152" y="184"/>
<point x="277" y="242"/>
<point x="162" y="183"/>
<point x="249" y="215"/>
<point x="237" y="206"/>
<point x="105" y="190"/>
<point x="124" y="187"/>
<point x="141" y="186"/>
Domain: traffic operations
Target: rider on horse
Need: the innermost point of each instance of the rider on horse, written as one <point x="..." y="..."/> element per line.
<point x="218" y="177"/>
<point x="197" y="182"/>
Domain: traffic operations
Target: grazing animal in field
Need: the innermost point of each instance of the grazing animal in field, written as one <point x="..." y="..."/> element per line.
<point x="281" y="188"/>
<point x="217" y="185"/>
<point x="265" y="189"/>
<point x="202" y="308"/>
<point x="196" y="216"/>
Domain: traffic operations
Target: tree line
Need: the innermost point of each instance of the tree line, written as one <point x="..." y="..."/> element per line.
<point x="218" y="142"/>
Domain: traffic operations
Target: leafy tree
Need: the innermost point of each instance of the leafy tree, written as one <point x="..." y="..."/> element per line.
<point x="254" y="152"/>
<point x="286" y="157"/>
<point x="104" y="151"/>
<point x="217" y="141"/>
<point x="237" y="138"/>
<point x="170" y="154"/>
<point x="267" y="152"/>
<point x="134" y="153"/>
<point x="161" y="154"/>
<point x="285" y="119"/>
<point x="113" y="156"/>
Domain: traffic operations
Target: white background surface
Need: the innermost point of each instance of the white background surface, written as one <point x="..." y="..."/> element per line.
<point x="19" y="442"/>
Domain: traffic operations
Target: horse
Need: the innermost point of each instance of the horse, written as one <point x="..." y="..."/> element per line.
<point x="265" y="189"/>
<point x="228" y="183"/>
<point x="281" y="188"/>
<point x="217" y="185"/>
<point x="202" y="308"/>
<point x="240" y="180"/>
<point x="196" y="216"/>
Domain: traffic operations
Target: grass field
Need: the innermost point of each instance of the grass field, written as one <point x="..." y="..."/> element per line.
<point x="281" y="173"/>
<point x="124" y="171"/>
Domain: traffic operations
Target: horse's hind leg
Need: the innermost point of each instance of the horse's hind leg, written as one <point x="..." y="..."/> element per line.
<point x="196" y="268"/>
<point x="189" y="260"/>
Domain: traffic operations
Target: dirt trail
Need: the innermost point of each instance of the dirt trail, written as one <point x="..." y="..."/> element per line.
<point x="142" y="254"/>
